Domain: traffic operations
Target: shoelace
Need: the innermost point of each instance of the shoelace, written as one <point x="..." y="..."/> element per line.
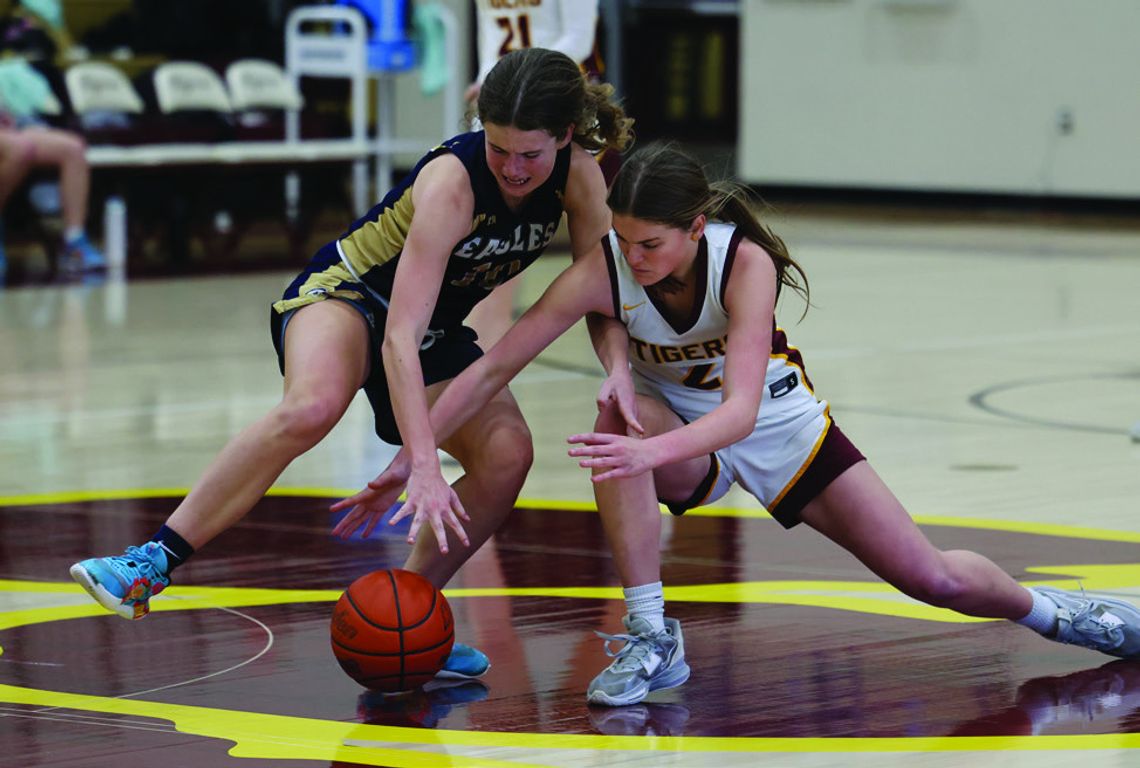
<point x="1105" y="635"/>
<point x="1086" y="623"/>
<point x="142" y="562"/>
<point x="632" y="655"/>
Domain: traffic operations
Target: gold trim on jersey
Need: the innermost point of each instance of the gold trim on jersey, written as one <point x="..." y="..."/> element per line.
<point x="375" y="243"/>
<point x="320" y="286"/>
<point x="807" y="463"/>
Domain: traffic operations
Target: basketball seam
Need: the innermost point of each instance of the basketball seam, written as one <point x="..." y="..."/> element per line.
<point x="425" y="649"/>
<point x="367" y="620"/>
<point x="400" y="621"/>
<point x="402" y="677"/>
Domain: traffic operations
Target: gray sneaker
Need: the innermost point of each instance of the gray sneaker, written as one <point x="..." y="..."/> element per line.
<point x="1101" y="623"/>
<point x="647" y="662"/>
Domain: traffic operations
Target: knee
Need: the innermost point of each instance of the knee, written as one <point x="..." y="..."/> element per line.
<point x="505" y="457"/>
<point x="609" y="419"/>
<point x="75" y="148"/>
<point x="305" y="420"/>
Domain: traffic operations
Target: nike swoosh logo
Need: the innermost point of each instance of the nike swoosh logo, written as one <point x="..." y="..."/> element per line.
<point x="628" y="307"/>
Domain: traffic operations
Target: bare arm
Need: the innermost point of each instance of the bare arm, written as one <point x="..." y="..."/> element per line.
<point x="443" y="185"/>
<point x="588" y="218"/>
<point x="581" y="288"/>
<point x="750" y="299"/>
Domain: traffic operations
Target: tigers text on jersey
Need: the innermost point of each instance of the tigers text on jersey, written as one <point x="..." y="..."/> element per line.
<point x="683" y="366"/>
<point x="501" y="242"/>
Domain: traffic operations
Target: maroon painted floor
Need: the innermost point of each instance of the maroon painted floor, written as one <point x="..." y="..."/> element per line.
<point x="758" y="670"/>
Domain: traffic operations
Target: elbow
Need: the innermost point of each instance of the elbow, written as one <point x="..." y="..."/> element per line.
<point x="491" y="373"/>
<point x="745" y="422"/>
<point x="744" y="430"/>
<point x="397" y="344"/>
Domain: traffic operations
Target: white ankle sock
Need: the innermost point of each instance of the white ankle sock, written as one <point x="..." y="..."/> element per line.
<point x="71" y="234"/>
<point x="648" y="602"/>
<point x="1042" y="618"/>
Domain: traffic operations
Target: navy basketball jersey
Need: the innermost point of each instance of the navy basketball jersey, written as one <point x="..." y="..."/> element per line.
<point x="501" y="242"/>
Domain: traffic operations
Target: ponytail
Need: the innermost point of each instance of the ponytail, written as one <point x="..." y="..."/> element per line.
<point x="661" y="183"/>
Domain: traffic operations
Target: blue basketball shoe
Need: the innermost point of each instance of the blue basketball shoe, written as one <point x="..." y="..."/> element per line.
<point x="83" y="256"/>
<point x="124" y="584"/>
<point x="464" y="663"/>
<point x="1100" y="623"/>
<point x="649" y="661"/>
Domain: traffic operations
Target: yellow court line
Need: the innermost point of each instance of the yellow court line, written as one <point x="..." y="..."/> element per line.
<point x="281" y="736"/>
<point x="272" y="736"/>
<point x="1009" y="526"/>
<point x="866" y="597"/>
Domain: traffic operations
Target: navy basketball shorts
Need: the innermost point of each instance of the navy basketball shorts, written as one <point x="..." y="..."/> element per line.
<point x="444" y="355"/>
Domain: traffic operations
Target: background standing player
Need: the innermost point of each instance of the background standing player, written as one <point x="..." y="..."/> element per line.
<point x="568" y="26"/>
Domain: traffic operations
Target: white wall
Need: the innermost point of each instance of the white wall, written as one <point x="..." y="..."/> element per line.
<point x="945" y="95"/>
<point x="419" y="115"/>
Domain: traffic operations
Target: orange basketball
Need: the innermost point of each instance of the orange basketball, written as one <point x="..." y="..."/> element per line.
<point x="392" y="630"/>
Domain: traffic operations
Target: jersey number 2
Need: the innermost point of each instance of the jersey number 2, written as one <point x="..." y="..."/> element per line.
<point x="506" y="23"/>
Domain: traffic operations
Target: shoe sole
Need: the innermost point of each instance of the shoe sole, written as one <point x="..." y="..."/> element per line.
<point x="447" y="674"/>
<point x="101" y="595"/>
<point x="678" y="676"/>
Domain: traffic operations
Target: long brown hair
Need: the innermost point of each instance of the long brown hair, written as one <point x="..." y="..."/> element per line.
<point x="663" y="184"/>
<point x="536" y="88"/>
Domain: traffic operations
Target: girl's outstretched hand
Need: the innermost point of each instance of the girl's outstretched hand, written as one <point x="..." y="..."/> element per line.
<point x="614" y="455"/>
<point x="429" y="499"/>
<point x="368" y="506"/>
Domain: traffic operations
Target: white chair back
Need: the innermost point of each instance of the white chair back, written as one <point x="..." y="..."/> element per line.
<point x="261" y="84"/>
<point x="96" y="86"/>
<point x="187" y="85"/>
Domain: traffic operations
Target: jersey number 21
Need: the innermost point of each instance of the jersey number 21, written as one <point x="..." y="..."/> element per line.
<point x="507" y="24"/>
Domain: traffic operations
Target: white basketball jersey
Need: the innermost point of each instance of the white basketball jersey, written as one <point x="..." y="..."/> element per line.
<point x="567" y="26"/>
<point x="685" y="363"/>
<point x="684" y="367"/>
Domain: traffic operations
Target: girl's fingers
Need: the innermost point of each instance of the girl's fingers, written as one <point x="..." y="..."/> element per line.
<point x="440" y="534"/>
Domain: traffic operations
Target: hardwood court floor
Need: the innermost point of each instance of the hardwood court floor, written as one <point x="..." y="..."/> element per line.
<point x="988" y="369"/>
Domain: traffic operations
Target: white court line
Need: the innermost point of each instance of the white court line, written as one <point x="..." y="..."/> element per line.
<point x="84" y="719"/>
<point x="268" y="644"/>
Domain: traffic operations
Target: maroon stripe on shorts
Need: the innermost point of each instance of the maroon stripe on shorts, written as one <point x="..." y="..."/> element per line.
<point x="835" y="456"/>
<point x="704" y="488"/>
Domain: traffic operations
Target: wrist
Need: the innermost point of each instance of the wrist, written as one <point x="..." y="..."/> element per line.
<point x="661" y="449"/>
<point x="425" y="461"/>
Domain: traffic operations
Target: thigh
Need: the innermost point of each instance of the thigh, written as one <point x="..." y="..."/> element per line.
<point x="51" y="146"/>
<point x="860" y="513"/>
<point x="326" y="351"/>
<point x="444" y="359"/>
<point x="15" y="148"/>
<point x="673" y="482"/>
<point x="500" y="419"/>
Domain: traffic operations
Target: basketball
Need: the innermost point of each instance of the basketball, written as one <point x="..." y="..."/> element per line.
<point x="392" y="630"/>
